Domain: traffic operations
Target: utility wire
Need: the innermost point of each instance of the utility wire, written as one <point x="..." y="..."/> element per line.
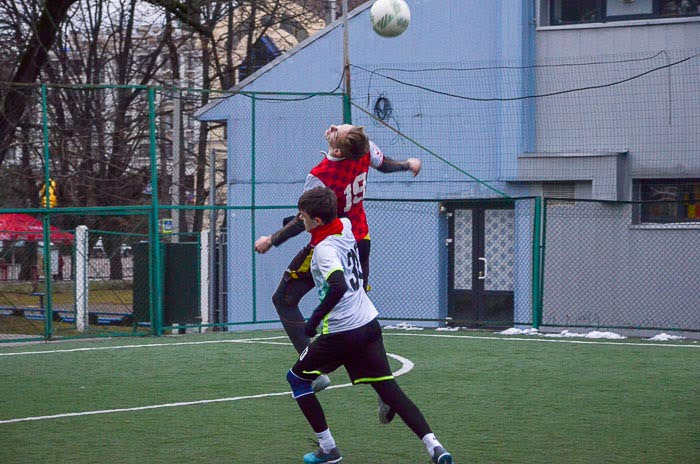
<point x="525" y="97"/>
<point x="485" y="184"/>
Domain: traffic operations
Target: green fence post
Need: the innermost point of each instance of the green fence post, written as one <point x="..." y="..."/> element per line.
<point x="48" y="314"/>
<point x="537" y="265"/>
<point x="347" y="109"/>
<point x="543" y="248"/>
<point x="155" y="258"/>
<point x="252" y="206"/>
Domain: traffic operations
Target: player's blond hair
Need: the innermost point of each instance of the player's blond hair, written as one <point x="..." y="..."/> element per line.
<point x="355" y="144"/>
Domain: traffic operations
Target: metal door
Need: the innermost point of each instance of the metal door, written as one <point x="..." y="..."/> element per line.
<point x="481" y="263"/>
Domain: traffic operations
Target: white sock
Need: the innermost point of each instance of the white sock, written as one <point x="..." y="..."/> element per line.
<point x="325" y="440"/>
<point x="430" y="443"/>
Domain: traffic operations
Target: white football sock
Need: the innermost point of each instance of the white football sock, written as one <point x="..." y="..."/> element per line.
<point x="325" y="440"/>
<point x="430" y="443"/>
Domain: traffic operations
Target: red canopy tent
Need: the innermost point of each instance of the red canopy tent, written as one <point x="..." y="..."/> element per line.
<point x="18" y="226"/>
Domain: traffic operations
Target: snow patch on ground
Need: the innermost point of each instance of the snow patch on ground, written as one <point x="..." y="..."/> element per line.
<point x="662" y="337"/>
<point x="448" y="329"/>
<point x="563" y="334"/>
<point x="403" y="326"/>
<point x="595" y="334"/>
<point x="514" y="331"/>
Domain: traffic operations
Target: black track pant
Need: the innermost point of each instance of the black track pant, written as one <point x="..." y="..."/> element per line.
<point x="296" y="282"/>
<point x="286" y="300"/>
<point x="389" y="391"/>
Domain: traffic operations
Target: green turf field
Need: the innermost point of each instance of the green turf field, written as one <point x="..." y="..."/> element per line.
<point x="489" y="399"/>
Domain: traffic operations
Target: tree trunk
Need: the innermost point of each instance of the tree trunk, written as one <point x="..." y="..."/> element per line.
<point x="27" y="258"/>
<point x="28" y="255"/>
<point x="112" y="245"/>
<point x="30" y="64"/>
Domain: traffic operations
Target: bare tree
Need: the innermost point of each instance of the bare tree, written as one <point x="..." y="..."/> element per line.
<point x="97" y="135"/>
<point x="237" y="47"/>
<point x="43" y="31"/>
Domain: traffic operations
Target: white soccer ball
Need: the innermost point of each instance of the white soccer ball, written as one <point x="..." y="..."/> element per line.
<point x="390" y="18"/>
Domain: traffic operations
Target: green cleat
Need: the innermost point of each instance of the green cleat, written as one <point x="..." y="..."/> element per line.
<point x="318" y="456"/>
<point x="441" y="456"/>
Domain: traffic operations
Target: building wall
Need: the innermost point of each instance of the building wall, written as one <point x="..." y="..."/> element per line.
<point x="601" y="268"/>
<point x="480" y="138"/>
<point x="654" y="117"/>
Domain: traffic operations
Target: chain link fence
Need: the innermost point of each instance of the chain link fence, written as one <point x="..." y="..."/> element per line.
<point x="605" y="269"/>
<point x="168" y="255"/>
<point x="93" y="164"/>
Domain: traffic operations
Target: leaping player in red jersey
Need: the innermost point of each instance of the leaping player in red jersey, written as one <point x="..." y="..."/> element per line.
<point x="344" y="169"/>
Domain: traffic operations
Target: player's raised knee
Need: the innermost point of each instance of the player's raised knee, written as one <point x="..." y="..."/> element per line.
<point x="300" y="386"/>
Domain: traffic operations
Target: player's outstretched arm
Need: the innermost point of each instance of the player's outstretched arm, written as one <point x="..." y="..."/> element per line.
<point x="392" y="165"/>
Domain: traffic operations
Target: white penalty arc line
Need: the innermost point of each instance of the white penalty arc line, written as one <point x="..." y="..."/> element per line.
<point x="406" y="366"/>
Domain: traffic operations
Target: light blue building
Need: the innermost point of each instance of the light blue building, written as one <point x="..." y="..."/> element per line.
<point x="460" y="85"/>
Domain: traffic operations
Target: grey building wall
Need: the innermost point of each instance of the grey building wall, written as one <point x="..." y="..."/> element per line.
<point x="653" y="117"/>
<point x="600" y="270"/>
<point x="600" y="267"/>
<point x="635" y="115"/>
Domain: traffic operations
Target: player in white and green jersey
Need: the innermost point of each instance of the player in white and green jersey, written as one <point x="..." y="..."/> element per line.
<point x="338" y="252"/>
<point x="350" y="333"/>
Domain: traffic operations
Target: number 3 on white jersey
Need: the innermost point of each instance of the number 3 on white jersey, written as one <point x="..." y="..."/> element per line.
<point x="355" y="192"/>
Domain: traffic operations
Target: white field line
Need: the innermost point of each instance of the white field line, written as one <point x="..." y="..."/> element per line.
<point x="406" y="366"/>
<point x="412" y="334"/>
<point x="545" y="340"/>
<point x="151" y="345"/>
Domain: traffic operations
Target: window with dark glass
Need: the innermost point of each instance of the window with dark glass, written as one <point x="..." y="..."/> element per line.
<point x="668" y="200"/>
<point x="576" y="11"/>
<point x="587" y="11"/>
<point x="264" y="50"/>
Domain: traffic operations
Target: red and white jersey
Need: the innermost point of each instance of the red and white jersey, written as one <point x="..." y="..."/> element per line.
<point x="348" y="179"/>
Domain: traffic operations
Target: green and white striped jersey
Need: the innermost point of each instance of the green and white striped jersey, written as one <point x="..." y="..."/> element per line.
<point x="339" y="252"/>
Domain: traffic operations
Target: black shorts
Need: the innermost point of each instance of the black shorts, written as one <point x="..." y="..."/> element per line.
<point x="360" y="350"/>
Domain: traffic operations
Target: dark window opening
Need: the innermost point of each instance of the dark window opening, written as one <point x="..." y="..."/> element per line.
<point x="576" y="11"/>
<point x="264" y="51"/>
<point x="588" y="11"/>
<point x="668" y="200"/>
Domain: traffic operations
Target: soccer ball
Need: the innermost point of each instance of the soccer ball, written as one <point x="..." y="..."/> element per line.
<point x="389" y="18"/>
